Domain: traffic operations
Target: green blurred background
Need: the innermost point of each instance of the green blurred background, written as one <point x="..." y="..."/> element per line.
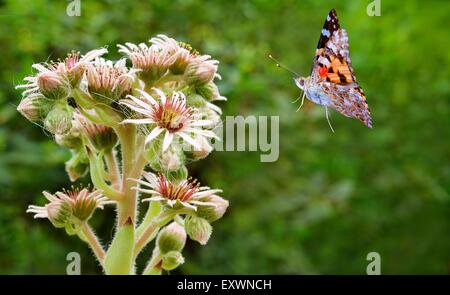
<point x="330" y="198"/>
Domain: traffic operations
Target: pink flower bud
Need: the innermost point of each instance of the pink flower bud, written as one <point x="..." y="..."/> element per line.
<point x="59" y="119"/>
<point x="198" y="229"/>
<point x="201" y="72"/>
<point x="53" y="85"/>
<point x="215" y="211"/>
<point x="172" y="260"/>
<point x="171" y="238"/>
<point x="35" y="107"/>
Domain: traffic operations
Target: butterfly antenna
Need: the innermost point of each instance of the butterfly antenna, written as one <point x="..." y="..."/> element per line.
<point x="328" y="119"/>
<point x="282" y="66"/>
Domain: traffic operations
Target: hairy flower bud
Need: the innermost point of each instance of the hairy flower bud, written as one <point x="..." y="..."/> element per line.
<point x="84" y="203"/>
<point x="171" y="238"/>
<point x="59" y="119"/>
<point x="210" y="91"/>
<point x="198" y="229"/>
<point x="78" y="165"/>
<point x="196" y="100"/>
<point x="152" y="62"/>
<point x="74" y="68"/>
<point x="105" y="139"/>
<point x="172" y="260"/>
<point x="200" y="72"/>
<point x="59" y="213"/>
<point x="203" y="149"/>
<point x="180" y="64"/>
<point x="35" y="107"/>
<point x="215" y="212"/>
<point x="212" y="116"/>
<point x="70" y="140"/>
<point x="53" y="85"/>
<point x="173" y="158"/>
<point x="108" y="82"/>
<point x="102" y="137"/>
<point x="178" y="175"/>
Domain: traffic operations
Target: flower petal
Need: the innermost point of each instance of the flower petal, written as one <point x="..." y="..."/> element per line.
<point x="200" y="123"/>
<point x="187" y="205"/>
<point x="138" y="121"/>
<point x="189" y="140"/>
<point x="153" y="199"/>
<point x="155" y="132"/>
<point x="168" y="137"/>
<point x="147" y="96"/>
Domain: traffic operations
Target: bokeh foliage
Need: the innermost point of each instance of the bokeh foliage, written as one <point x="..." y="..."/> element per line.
<point x="329" y="199"/>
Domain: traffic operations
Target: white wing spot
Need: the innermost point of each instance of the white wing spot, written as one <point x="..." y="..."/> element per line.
<point x="323" y="61"/>
<point x="326" y="33"/>
<point x="328" y="18"/>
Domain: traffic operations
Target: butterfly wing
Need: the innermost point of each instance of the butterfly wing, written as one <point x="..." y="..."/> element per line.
<point x="332" y="59"/>
<point x="333" y="73"/>
<point x="349" y="100"/>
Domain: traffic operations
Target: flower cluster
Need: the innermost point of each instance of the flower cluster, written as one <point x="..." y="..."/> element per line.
<point x="51" y="84"/>
<point x="156" y="105"/>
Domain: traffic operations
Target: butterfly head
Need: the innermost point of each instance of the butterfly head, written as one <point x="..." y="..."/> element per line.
<point x="301" y="82"/>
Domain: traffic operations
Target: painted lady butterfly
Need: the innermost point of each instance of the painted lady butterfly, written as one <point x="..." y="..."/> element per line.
<point x="332" y="82"/>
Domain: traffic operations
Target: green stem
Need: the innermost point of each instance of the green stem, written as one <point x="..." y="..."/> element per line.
<point x="92" y="240"/>
<point x="113" y="167"/>
<point x="149" y="233"/>
<point x="153" y="267"/>
<point x="154" y="208"/>
<point x="97" y="177"/>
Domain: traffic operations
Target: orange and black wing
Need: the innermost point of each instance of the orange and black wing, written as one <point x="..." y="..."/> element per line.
<point x="332" y="61"/>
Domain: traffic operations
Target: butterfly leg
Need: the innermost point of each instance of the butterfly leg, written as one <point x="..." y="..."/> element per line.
<point x="328" y="119"/>
<point x="297" y="99"/>
<point x="303" y="100"/>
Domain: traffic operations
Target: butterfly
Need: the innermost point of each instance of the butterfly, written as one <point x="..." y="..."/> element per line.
<point x="332" y="82"/>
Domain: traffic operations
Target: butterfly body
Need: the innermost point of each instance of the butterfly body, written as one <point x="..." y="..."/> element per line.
<point x="332" y="82"/>
<point x="313" y="92"/>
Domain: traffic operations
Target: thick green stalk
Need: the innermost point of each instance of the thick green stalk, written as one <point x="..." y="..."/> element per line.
<point x="132" y="167"/>
<point x="127" y="207"/>
<point x="119" y="257"/>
